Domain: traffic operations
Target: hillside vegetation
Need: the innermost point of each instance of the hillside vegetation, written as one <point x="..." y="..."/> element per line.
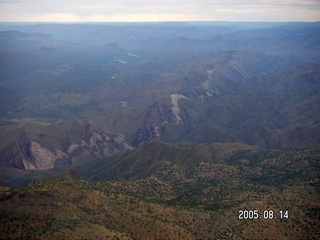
<point x="181" y="200"/>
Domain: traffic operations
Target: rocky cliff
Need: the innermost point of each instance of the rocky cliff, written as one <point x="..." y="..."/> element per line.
<point x="42" y="147"/>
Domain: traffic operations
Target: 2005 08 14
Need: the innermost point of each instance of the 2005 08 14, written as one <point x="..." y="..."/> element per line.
<point x="267" y="214"/>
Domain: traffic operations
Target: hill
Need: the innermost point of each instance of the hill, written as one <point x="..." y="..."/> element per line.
<point x="43" y="146"/>
<point x="278" y="110"/>
<point x="193" y="199"/>
<point x="158" y="157"/>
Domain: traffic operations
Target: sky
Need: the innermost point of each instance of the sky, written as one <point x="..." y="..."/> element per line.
<point x="160" y="10"/>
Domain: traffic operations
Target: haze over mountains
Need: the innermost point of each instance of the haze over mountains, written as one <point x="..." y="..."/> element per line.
<point x="207" y="117"/>
<point x="213" y="82"/>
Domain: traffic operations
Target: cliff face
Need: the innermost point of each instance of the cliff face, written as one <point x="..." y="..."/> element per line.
<point x="43" y="147"/>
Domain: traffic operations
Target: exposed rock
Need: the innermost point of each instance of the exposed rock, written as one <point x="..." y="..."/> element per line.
<point x="43" y="158"/>
<point x="43" y="148"/>
<point x="173" y="110"/>
<point x="175" y="98"/>
<point x="72" y="148"/>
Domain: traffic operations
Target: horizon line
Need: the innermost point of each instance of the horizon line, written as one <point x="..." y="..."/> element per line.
<point x="178" y="21"/>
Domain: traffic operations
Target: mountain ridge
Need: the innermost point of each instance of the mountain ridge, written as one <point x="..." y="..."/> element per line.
<point x="45" y="146"/>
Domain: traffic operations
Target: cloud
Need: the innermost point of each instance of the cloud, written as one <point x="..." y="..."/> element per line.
<point x="55" y="17"/>
<point x="139" y="17"/>
<point x="165" y="10"/>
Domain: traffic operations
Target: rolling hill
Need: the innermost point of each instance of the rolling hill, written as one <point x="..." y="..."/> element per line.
<point x="175" y="192"/>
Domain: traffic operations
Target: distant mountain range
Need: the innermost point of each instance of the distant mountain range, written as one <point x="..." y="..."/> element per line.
<point x="258" y="86"/>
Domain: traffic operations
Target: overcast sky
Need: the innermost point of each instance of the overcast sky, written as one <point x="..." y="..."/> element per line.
<point x="160" y="10"/>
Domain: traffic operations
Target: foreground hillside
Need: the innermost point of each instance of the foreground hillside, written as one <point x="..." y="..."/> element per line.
<point x="193" y="199"/>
